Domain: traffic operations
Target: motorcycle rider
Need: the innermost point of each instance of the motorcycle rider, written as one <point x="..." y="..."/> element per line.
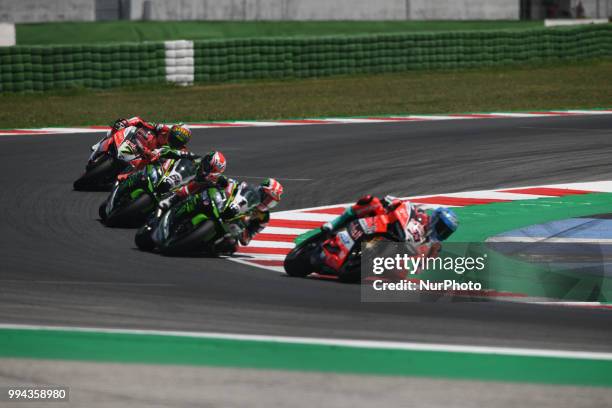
<point x="254" y="208"/>
<point x="245" y="210"/>
<point x="435" y="228"/>
<point x="151" y="137"/>
<point x="210" y="174"/>
<point x="158" y="131"/>
<point x="138" y="178"/>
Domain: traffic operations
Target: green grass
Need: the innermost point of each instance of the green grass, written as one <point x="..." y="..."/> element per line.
<point x="580" y="85"/>
<point x="74" y="33"/>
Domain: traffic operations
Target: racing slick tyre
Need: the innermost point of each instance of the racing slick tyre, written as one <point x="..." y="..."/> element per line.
<point x="102" y="211"/>
<point x="350" y="272"/>
<point x="133" y="215"/>
<point x="97" y="177"/>
<point x="143" y="239"/>
<point x="297" y="263"/>
<point x="193" y="242"/>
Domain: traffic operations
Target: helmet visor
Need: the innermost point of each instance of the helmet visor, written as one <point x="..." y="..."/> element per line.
<point x="206" y="167"/>
<point x="442" y="230"/>
<point x="179" y="136"/>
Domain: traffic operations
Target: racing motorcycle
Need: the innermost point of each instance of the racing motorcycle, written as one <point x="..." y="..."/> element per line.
<point x="315" y="248"/>
<point x="195" y="224"/>
<point x="109" y="158"/>
<point x="130" y="205"/>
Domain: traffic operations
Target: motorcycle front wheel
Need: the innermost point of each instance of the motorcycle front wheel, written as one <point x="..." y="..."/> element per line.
<point x="132" y="215"/>
<point x="192" y="242"/>
<point x="350" y="272"/>
<point x="143" y="239"/>
<point x="297" y="263"/>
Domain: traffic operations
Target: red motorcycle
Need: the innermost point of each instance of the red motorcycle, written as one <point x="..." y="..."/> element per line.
<point x="110" y="157"/>
<point x="340" y="254"/>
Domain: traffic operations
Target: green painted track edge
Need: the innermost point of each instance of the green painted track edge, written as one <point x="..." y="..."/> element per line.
<point x="173" y="350"/>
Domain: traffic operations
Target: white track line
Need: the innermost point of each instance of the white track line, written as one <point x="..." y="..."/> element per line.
<point x="262" y="123"/>
<point x="305" y="216"/>
<point x="550" y="240"/>
<point x="315" y="121"/>
<point x="496" y="195"/>
<point x="590" y="112"/>
<point x="255" y="243"/>
<point x="438" y="117"/>
<point x="523" y="115"/>
<point x="262" y="257"/>
<point x="355" y="120"/>
<point x="367" y="344"/>
<point x="283" y="230"/>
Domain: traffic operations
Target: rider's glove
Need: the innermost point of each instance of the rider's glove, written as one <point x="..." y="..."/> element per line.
<point x="230" y="212"/>
<point x="222" y="182"/>
<point x="159" y="127"/>
<point x="188" y="155"/>
<point x="328" y="228"/>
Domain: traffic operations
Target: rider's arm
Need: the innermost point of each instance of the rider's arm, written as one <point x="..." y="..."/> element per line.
<point x="167" y="152"/>
<point x="135" y="121"/>
<point x="147" y="154"/>
<point x="139" y="122"/>
<point x="193" y="187"/>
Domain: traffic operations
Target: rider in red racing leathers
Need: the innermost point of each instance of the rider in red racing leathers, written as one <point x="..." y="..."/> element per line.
<point x="422" y="227"/>
<point x="152" y="137"/>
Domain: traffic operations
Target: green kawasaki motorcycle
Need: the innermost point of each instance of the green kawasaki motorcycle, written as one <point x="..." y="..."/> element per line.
<point x="197" y="224"/>
<point x="133" y="200"/>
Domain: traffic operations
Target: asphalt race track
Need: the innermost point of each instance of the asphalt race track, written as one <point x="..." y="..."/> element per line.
<point x="60" y="266"/>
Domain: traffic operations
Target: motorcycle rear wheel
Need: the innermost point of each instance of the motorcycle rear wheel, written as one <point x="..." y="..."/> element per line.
<point x="97" y="177"/>
<point x="102" y="211"/>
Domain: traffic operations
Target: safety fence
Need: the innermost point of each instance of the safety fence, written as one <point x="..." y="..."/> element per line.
<point x="183" y="62"/>
<point x="219" y="61"/>
<point x="91" y="66"/>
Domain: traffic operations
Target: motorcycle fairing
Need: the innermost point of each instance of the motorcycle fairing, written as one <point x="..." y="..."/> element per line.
<point x="337" y="249"/>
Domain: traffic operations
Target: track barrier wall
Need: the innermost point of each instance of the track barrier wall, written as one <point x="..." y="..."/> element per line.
<point x="40" y="68"/>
